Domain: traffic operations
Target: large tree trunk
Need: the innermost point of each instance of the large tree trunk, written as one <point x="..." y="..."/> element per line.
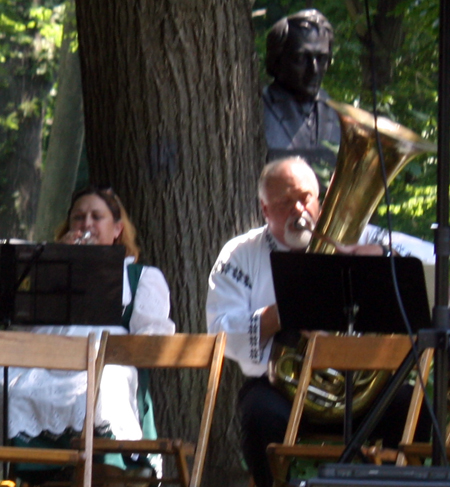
<point x="173" y="123"/>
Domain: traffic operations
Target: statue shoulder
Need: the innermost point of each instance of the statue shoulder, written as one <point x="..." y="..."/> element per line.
<point x="323" y="95"/>
<point x="267" y="95"/>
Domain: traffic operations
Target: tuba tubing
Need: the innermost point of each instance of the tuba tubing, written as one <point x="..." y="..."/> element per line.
<point x="355" y="191"/>
<point x="357" y="185"/>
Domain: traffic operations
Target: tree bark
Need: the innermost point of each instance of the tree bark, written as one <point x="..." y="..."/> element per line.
<point x="173" y="123"/>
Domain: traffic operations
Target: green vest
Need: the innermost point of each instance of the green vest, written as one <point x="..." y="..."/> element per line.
<point x="144" y="400"/>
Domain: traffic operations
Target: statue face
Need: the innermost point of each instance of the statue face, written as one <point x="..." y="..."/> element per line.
<point x="304" y="63"/>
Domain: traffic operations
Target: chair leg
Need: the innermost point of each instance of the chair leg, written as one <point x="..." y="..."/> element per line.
<point x="183" y="469"/>
<point x="279" y="467"/>
<point x="78" y="475"/>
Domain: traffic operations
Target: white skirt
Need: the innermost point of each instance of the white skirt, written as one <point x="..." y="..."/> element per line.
<point x="53" y="400"/>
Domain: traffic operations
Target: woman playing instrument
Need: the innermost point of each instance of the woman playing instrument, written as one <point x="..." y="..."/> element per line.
<point x="47" y="407"/>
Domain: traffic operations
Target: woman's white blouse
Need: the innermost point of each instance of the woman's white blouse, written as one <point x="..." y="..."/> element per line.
<point x="41" y="399"/>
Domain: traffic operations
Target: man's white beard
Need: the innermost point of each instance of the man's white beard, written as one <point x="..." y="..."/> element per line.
<point x="298" y="238"/>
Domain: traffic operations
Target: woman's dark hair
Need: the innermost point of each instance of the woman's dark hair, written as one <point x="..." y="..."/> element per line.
<point x="115" y="206"/>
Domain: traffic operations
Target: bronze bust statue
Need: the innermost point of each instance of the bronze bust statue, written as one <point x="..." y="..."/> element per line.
<point x="297" y="119"/>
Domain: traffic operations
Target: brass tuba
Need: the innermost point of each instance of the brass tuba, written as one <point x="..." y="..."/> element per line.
<point x="355" y="190"/>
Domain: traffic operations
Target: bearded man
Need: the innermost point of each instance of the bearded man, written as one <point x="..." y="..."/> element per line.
<point x="241" y="302"/>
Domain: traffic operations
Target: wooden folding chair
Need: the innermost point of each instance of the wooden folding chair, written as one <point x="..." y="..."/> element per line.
<point x="407" y="441"/>
<point x="368" y="352"/>
<point x="30" y="350"/>
<point x="415" y="453"/>
<point x="179" y="351"/>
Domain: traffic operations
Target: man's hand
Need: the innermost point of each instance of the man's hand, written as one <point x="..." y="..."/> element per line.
<point x="368" y="249"/>
<point x="270" y="323"/>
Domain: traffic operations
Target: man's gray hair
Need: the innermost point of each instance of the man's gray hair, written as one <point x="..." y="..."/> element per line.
<point x="304" y="19"/>
<point x="271" y="169"/>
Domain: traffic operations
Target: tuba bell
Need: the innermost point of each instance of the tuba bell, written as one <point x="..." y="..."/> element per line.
<point x="355" y="190"/>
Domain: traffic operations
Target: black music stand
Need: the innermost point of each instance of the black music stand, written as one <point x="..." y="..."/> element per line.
<point x="58" y="284"/>
<point x="317" y="292"/>
<point x="61" y="284"/>
<point x="342" y="293"/>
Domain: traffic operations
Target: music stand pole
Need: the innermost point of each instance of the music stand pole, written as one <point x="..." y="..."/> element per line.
<point x="442" y="233"/>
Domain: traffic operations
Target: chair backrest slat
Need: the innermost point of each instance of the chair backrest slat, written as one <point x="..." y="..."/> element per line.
<point x="367" y="352"/>
<point x="22" y="349"/>
<point x="172" y="351"/>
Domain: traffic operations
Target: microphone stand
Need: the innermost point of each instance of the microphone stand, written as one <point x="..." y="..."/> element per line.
<point x="440" y="336"/>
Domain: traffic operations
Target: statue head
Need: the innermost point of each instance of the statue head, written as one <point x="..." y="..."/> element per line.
<point x="299" y="51"/>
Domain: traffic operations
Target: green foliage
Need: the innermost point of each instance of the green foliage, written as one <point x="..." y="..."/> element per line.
<point x="30" y="36"/>
<point x="410" y="98"/>
<point x="30" y="39"/>
<point x="413" y="206"/>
